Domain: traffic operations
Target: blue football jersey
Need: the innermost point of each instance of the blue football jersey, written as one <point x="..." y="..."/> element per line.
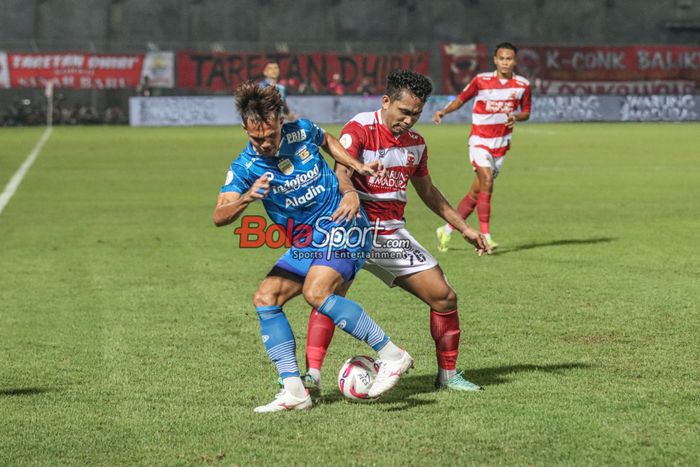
<point x="302" y="185"/>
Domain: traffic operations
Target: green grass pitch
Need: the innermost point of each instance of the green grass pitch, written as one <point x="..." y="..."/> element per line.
<point x="127" y="334"/>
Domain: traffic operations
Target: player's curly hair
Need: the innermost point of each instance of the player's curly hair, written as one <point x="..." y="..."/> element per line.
<point x="258" y="104"/>
<point x="407" y="80"/>
<point x="505" y="45"/>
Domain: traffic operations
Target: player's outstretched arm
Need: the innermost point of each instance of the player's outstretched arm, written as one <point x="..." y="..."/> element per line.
<point x="336" y="150"/>
<point x="436" y="201"/>
<point x="350" y="204"/>
<point x="229" y="206"/>
<point x="451" y="107"/>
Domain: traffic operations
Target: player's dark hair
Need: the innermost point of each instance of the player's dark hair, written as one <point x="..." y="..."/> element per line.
<point x="257" y="103"/>
<point x="505" y="45"/>
<point x="407" y="80"/>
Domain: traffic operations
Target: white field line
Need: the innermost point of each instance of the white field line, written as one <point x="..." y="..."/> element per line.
<point x="16" y="179"/>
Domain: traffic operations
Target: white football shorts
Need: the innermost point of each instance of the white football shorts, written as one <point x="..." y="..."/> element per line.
<point x="398" y="254"/>
<point x="480" y="157"/>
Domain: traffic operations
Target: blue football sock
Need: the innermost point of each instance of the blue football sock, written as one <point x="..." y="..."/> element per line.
<point x="351" y="318"/>
<point x="278" y="339"/>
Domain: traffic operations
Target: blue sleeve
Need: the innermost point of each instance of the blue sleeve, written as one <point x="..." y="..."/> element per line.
<point x="237" y="180"/>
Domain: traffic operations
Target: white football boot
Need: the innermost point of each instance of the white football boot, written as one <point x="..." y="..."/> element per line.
<point x="389" y="373"/>
<point x="286" y="401"/>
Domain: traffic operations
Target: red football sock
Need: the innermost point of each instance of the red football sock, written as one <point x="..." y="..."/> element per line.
<point x="444" y="327"/>
<point x="483" y="208"/>
<point x="466" y="206"/>
<point x="318" y="338"/>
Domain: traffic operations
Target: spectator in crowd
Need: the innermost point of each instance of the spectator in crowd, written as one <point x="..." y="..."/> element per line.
<point x="366" y="88"/>
<point x="271" y="74"/>
<point x="336" y="87"/>
<point x="307" y="87"/>
<point x="144" y="88"/>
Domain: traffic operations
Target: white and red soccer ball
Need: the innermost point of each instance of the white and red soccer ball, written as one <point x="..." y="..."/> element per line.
<point x="356" y="377"/>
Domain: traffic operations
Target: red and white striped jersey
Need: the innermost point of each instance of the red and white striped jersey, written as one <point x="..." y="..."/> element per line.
<point x="494" y="99"/>
<point x="367" y="139"/>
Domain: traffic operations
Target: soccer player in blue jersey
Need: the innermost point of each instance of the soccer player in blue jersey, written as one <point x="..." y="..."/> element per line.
<point x="271" y="72"/>
<point x="282" y="167"/>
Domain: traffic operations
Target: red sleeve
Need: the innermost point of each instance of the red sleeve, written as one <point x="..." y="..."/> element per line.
<point x="526" y="100"/>
<point x="422" y="168"/>
<point x="470" y="90"/>
<point x="352" y="137"/>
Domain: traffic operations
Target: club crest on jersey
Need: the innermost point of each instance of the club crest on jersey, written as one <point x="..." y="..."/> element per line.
<point x="410" y="158"/>
<point x="286" y="166"/>
<point x="296" y="136"/>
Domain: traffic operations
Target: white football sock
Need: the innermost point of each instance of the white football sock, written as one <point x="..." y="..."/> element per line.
<point x="446" y="374"/>
<point x="294" y="386"/>
<point x="390" y="352"/>
<point x="487" y="236"/>
<point x="447" y="228"/>
<point x="315" y="373"/>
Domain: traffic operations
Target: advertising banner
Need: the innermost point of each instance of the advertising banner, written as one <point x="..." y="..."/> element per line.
<point x="216" y="110"/>
<point x="4" y="71"/>
<point x="160" y="69"/>
<point x="218" y="71"/>
<point x="610" y="63"/>
<point x="583" y="69"/>
<point x="88" y="71"/>
<point x="460" y="63"/>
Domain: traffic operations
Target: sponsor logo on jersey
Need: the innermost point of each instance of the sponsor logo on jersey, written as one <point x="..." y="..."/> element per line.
<point x="229" y="177"/>
<point x="392" y="179"/>
<point x="298" y="181"/>
<point x="296" y="136"/>
<point x="270" y="176"/>
<point x="499" y="106"/>
<point x="265" y="338"/>
<point x="250" y="162"/>
<point x="311" y="193"/>
<point x="286" y="166"/>
<point x="304" y="154"/>
<point x="342" y="324"/>
<point x="410" y="158"/>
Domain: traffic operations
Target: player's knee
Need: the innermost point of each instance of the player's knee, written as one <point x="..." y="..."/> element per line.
<point x="315" y="295"/>
<point x="264" y="297"/>
<point x="445" y="301"/>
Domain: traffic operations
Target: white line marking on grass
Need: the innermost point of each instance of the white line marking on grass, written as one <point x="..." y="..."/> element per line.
<point x="16" y="179"/>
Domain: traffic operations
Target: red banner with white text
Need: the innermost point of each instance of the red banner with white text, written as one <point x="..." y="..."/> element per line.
<point x="226" y="71"/>
<point x="567" y="69"/>
<point x="88" y="71"/>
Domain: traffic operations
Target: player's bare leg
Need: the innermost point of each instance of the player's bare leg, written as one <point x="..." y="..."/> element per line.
<point x="321" y="282"/>
<point x="432" y="288"/>
<point x="483" y="202"/>
<point x="274" y="291"/>
<point x="464" y="208"/>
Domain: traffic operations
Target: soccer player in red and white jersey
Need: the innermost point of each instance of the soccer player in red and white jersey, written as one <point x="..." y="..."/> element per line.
<point x="497" y="96"/>
<point x="386" y="135"/>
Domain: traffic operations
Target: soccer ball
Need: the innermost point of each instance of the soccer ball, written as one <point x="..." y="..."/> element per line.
<point x="356" y="377"/>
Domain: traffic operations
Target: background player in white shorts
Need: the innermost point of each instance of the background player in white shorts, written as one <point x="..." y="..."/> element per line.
<point x="497" y="95"/>
<point x="386" y="135"/>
